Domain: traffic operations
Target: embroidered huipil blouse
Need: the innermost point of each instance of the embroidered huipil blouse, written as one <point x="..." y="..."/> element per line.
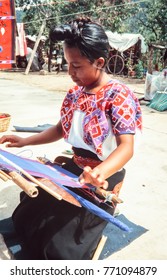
<point x="92" y="120"/>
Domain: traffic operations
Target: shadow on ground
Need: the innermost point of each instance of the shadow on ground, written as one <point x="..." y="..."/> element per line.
<point x="118" y="239"/>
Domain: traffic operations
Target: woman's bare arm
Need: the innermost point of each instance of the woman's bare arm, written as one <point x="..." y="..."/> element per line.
<point x="115" y="161"/>
<point x="49" y="135"/>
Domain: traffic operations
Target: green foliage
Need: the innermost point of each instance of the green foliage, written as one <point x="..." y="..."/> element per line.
<point x="111" y="14"/>
<point x="152" y="21"/>
<point x="138" y="68"/>
<point x="148" y="18"/>
<point x="34" y="11"/>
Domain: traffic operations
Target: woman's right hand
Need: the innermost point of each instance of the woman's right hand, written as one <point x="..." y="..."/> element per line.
<point x="12" y="141"/>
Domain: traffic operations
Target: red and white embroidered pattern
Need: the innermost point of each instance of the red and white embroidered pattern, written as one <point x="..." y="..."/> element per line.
<point x="113" y="103"/>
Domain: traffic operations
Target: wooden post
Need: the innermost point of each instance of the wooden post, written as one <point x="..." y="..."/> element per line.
<point x="35" y="47"/>
<point x="150" y="60"/>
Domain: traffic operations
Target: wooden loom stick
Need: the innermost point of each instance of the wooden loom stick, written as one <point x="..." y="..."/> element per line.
<point x="99" y="248"/>
<point x="30" y="177"/>
<point x="65" y="195"/>
<point x="108" y="195"/>
<point x="25" y="185"/>
<point x="20" y="181"/>
<point x="5" y="177"/>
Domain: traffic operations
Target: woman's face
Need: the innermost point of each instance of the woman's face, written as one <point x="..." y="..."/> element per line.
<point x="82" y="71"/>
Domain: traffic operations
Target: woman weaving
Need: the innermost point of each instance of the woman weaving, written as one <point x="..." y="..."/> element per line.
<point x="100" y="118"/>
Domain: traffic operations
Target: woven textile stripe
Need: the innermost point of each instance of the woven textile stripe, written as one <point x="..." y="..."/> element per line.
<point x="67" y="178"/>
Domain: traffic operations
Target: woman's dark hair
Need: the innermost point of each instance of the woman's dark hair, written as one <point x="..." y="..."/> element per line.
<point x="89" y="37"/>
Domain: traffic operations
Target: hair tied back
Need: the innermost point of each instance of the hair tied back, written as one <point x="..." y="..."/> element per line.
<point x="61" y="33"/>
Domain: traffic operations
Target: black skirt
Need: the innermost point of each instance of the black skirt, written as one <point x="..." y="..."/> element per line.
<point x="57" y="230"/>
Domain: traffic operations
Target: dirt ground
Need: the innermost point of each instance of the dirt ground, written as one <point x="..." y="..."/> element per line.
<point x="144" y="191"/>
<point x="61" y="82"/>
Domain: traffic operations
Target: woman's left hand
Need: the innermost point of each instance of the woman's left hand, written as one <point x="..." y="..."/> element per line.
<point x="93" y="177"/>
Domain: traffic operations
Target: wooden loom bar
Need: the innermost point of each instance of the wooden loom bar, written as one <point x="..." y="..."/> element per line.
<point x="5" y="177"/>
<point x="25" y="185"/>
<point x="30" y="177"/>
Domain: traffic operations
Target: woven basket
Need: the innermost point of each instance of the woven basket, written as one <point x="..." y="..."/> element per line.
<point x="4" y="122"/>
<point x="159" y="101"/>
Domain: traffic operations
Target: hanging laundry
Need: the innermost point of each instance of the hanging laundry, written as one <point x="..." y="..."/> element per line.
<point x="21" y="44"/>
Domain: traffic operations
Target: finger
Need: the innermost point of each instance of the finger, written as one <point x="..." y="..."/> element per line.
<point x="100" y="183"/>
<point x="81" y="179"/>
<point x="10" y="145"/>
<point x="100" y="180"/>
<point x="85" y="173"/>
<point x="105" y="185"/>
<point x="95" y="173"/>
<point x="87" y="169"/>
<point x="5" y="139"/>
<point x="85" y="176"/>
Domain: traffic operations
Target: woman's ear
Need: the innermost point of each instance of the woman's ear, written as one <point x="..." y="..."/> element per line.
<point x="100" y="62"/>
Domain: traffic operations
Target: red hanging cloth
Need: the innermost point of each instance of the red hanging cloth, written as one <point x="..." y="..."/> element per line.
<point x="7" y="34"/>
